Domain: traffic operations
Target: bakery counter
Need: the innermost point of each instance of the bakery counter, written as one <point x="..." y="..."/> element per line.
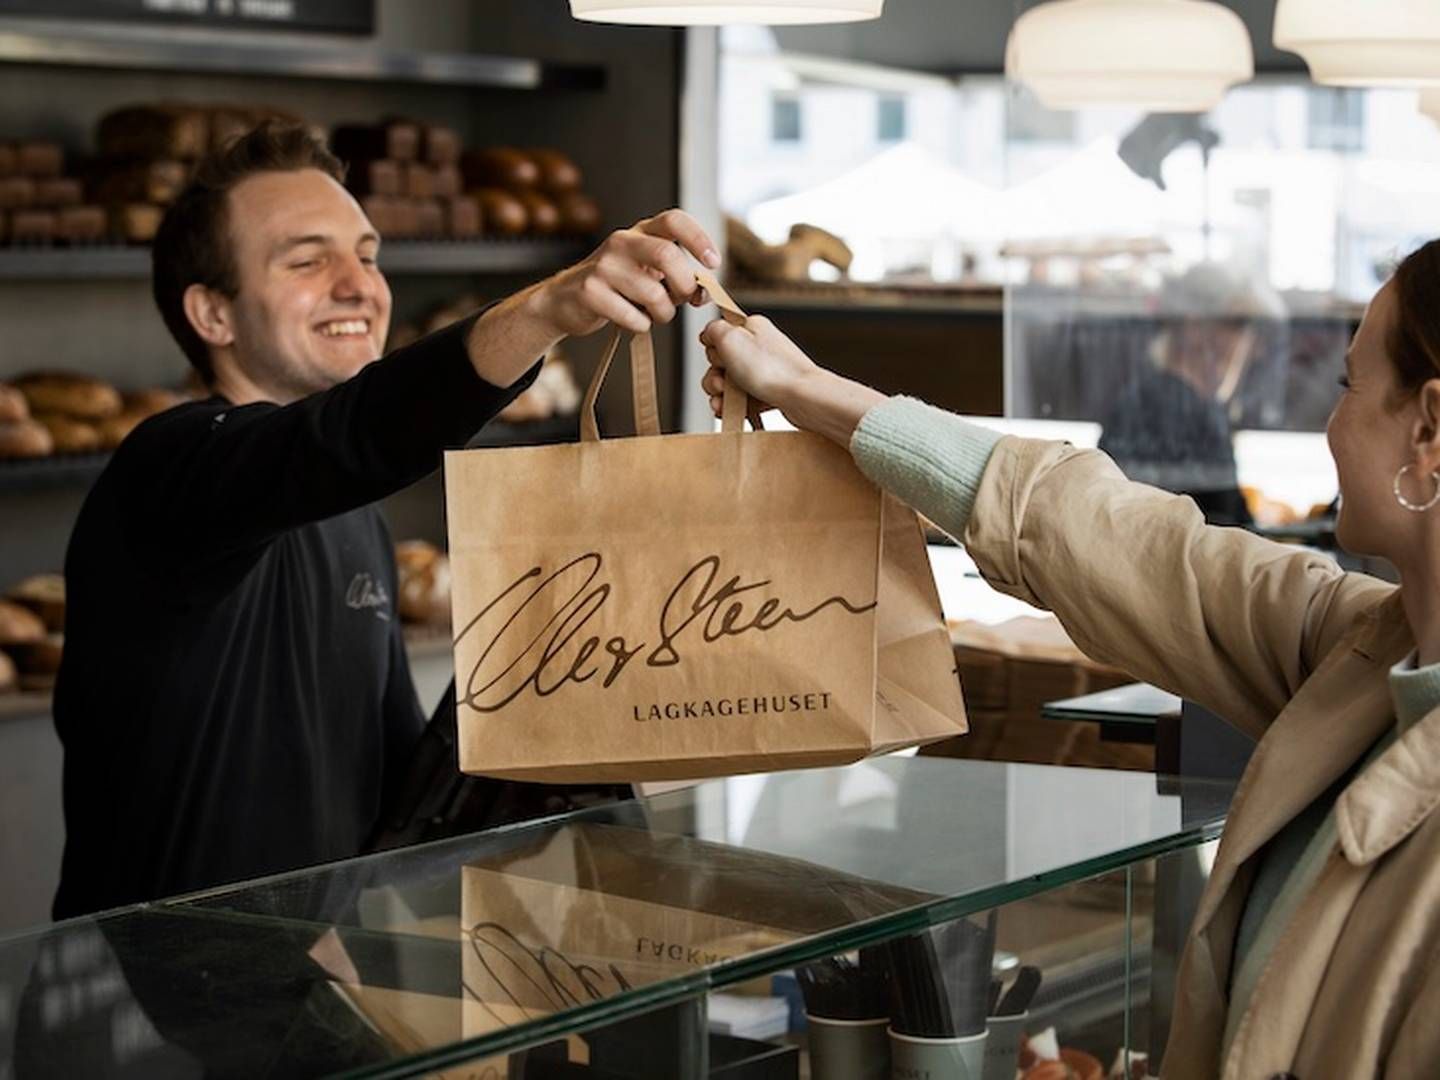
<point x="682" y="935"/>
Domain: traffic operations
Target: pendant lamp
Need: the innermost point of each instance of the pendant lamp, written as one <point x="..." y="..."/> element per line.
<point x="724" y="12"/>
<point x="1158" y="55"/>
<point x="1363" y="42"/>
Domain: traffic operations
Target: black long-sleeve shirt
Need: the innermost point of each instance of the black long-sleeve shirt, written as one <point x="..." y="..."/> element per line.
<point x="234" y="697"/>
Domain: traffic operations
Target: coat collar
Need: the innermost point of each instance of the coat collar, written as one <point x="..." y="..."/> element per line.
<point x="1393" y="795"/>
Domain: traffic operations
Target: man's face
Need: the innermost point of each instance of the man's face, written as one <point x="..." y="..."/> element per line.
<point x="313" y="307"/>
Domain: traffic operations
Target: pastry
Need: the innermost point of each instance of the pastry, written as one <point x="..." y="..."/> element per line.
<point x="71" y="436"/>
<point x="558" y="174"/>
<point x="19" y="625"/>
<point x="68" y="394"/>
<point x="417" y="180"/>
<point x="544" y="217"/>
<point x="39" y="157"/>
<point x="503" y="212"/>
<point x="43" y="594"/>
<point x="579" y="214"/>
<point x="405" y="216"/>
<point x="12" y="405"/>
<point x="144" y="182"/>
<point x="447" y="181"/>
<point x="499" y="166"/>
<point x="429" y="218"/>
<point x="380" y="209"/>
<point x="424" y="582"/>
<point x="25" y="439"/>
<point x="463" y="219"/>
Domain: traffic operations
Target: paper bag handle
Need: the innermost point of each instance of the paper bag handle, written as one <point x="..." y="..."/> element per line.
<point x="736" y="403"/>
<point x="643" y="395"/>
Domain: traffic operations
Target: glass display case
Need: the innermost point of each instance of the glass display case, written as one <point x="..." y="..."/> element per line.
<point x="686" y="934"/>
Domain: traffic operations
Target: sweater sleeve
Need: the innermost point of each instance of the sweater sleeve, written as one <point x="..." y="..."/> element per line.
<point x="212" y="484"/>
<point x="931" y="459"/>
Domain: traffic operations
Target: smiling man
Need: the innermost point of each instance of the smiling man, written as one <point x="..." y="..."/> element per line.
<point x="235" y="699"/>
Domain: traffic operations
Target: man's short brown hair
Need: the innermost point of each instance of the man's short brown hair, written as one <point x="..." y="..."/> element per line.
<point x="192" y="246"/>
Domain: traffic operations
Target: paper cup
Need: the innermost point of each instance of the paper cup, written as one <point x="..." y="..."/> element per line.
<point x="914" y="1058"/>
<point x="1002" y="1047"/>
<point x="848" y="1049"/>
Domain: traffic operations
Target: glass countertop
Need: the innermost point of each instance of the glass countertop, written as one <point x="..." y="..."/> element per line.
<point x="407" y="962"/>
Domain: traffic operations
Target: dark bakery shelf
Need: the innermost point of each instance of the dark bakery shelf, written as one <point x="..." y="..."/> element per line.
<point x="137" y="50"/>
<point x="62" y="470"/>
<point x="397" y="257"/>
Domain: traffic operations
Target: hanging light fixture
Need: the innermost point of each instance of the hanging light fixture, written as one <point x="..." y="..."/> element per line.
<point x="1158" y="55"/>
<point x="1369" y="43"/>
<point x="723" y="12"/>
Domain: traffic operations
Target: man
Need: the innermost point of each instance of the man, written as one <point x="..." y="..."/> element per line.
<point x="235" y="698"/>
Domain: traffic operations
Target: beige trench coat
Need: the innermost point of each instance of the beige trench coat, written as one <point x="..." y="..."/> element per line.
<point x="1295" y="652"/>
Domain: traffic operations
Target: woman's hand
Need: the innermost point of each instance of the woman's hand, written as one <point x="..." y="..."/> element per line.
<point x="776" y="373"/>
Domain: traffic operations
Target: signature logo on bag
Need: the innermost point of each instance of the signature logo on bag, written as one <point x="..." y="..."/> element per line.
<point x="704" y="607"/>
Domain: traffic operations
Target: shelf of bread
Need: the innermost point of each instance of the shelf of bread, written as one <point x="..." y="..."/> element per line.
<point x="174" y="50"/>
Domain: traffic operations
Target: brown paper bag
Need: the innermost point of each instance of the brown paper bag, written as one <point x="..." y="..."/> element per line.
<point x="681" y="606"/>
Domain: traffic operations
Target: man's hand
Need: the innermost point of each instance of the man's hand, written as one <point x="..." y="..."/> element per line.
<point x="635" y="279"/>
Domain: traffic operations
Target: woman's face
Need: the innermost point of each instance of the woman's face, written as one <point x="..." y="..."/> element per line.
<point x="1372" y="436"/>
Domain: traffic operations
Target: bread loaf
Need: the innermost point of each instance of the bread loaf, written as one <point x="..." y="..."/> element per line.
<point x="39" y="158"/>
<point x="558" y="174"/>
<point x="25" y="439"/>
<point x="544" y="217"/>
<point x="9" y="677"/>
<point x="115" y="182"/>
<point x="33" y="226"/>
<point x="380" y="209"/>
<point x="407" y="219"/>
<point x="149" y="402"/>
<point x="500" y="167"/>
<point x="113" y="430"/>
<point x="69" y="395"/>
<point x="503" y="213"/>
<point x="579" y="214"/>
<point x="71" y="436"/>
<point x="429" y="218"/>
<point x="9" y="160"/>
<point x="149" y="132"/>
<point x="41" y="657"/>
<point x="463" y="220"/>
<point x="424" y="574"/>
<point x="439" y="145"/>
<point x="447" y="181"/>
<point x="418" y="181"/>
<point x="17" y="193"/>
<point x="379" y="176"/>
<point x="135" y="223"/>
<point x="13" y="406"/>
<point x="81" y="224"/>
<point x="58" y="192"/>
<point x="19" y="625"/>
<point x="43" y="594"/>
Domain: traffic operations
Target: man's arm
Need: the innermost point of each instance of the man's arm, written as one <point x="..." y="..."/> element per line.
<point x="215" y="488"/>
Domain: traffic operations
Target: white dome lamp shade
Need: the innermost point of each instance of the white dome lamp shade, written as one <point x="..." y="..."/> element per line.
<point x="725" y="12"/>
<point x="1158" y="55"/>
<point x="1369" y="43"/>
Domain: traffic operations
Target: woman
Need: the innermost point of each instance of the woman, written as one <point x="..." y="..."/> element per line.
<point x="1316" y="948"/>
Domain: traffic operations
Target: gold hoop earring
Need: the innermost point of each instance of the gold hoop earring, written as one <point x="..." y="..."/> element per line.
<point x="1417" y="508"/>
